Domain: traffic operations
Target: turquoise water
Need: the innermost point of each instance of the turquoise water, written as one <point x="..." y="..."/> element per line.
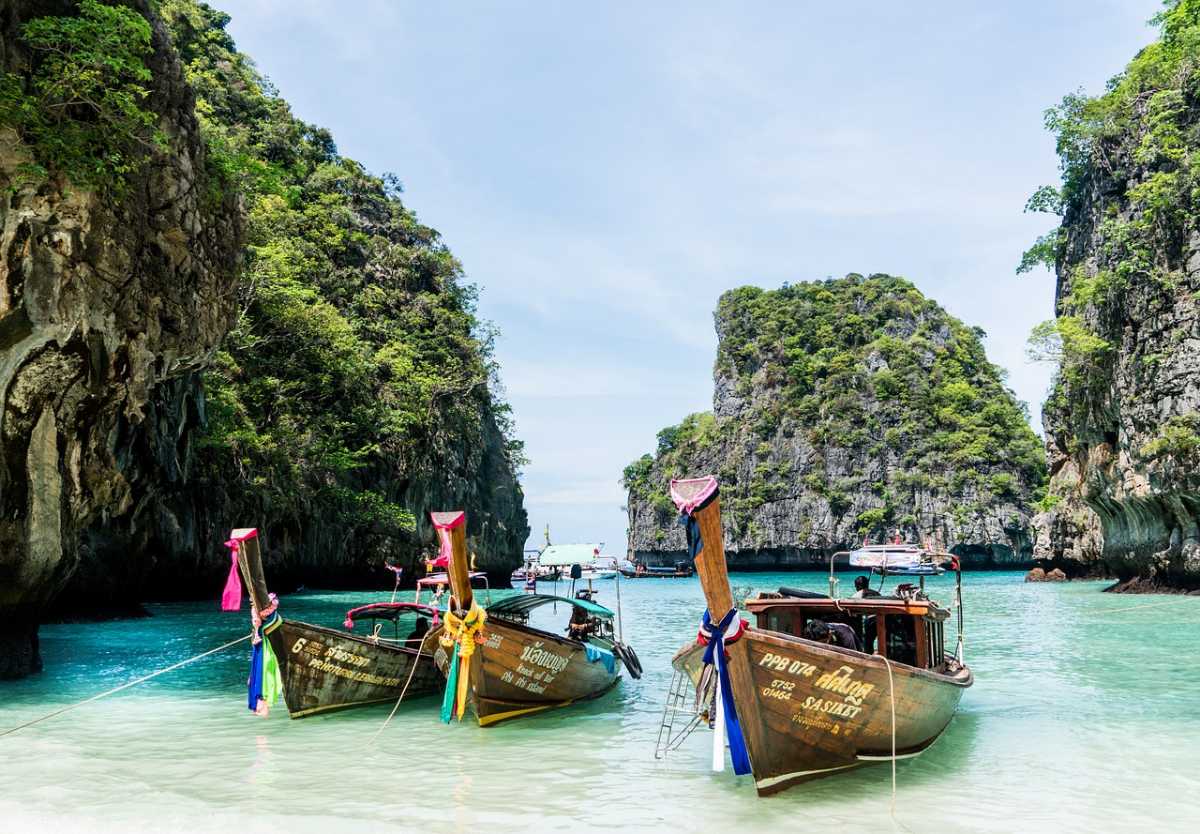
<point x="1085" y="716"/>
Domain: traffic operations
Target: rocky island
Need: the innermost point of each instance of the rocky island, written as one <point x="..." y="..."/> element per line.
<point x="845" y="409"/>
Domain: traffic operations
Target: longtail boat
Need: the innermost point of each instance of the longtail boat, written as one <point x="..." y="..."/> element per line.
<point x="796" y="708"/>
<point x="680" y="570"/>
<point x="499" y="666"/>
<point x="318" y="669"/>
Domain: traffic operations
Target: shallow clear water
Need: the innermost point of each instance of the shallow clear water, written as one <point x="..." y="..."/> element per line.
<point x="1085" y="716"/>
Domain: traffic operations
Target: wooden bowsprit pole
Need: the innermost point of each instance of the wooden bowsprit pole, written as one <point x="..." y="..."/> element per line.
<point x="464" y="620"/>
<point x="255" y="578"/>
<point x="453" y="525"/>
<point x="700" y="503"/>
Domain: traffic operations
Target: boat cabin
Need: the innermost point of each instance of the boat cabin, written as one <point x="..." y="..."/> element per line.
<point x="904" y="630"/>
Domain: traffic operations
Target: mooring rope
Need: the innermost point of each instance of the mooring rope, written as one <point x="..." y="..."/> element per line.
<point x="124" y="686"/>
<point x="892" y="697"/>
<point x="411" y="671"/>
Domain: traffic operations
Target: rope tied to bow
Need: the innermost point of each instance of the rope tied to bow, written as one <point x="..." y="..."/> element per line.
<point x="460" y="635"/>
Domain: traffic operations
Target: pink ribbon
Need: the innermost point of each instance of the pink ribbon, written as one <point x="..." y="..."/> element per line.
<point x="690" y="493"/>
<point x="231" y="599"/>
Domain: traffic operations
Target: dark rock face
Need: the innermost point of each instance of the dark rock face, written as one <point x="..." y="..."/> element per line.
<point x="106" y="312"/>
<point x="1121" y="424"/>
<point x="841" y="410"/>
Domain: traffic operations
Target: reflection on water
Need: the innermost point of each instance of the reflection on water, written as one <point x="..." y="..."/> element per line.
<point x="1084" y="716"/>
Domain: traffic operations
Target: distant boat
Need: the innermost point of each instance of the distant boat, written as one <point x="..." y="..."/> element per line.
<point x="640" y="570"/>
<point x="500" y="667"/>
<point x="798" y="708"/>
<point x="324" y="669"/>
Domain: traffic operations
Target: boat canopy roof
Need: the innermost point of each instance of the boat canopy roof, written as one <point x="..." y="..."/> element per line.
<point x="557" y="555"/>
<point x="524" y="603"/>
<point x="388" y="611"/>
<point x="850" y="605"/>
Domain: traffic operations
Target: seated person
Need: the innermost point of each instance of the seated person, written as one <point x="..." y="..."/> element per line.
<point x="862" y="588"/>
<point x="582" y="623"/>
<point x="420" y="630"/>
<point x="835" y="634"/>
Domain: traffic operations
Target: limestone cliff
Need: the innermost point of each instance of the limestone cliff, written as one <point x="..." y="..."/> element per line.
<point x="107" y="309"/>
<point x="1123" y="420"/>
<point x="843" y="409"/>
<point x="217" y="320"/>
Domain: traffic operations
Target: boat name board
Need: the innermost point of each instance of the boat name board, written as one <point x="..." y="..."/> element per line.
<point x="326" y="659"/>
<point x="839" y="682"/>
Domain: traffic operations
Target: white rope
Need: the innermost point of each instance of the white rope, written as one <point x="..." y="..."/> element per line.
<point x="411" y="671"/>
<point x="892" y="697"/>
<point x="123" y="686"/>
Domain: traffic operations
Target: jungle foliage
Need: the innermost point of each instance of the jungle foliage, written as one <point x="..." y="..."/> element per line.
<point x="78" y="100"/>
<point x="357" y="365"/>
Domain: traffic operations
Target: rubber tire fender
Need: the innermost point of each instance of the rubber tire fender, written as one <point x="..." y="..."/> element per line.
<point x="630" y="659"/>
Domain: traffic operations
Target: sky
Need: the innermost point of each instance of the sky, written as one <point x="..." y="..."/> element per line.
<point x="604" y="171"/>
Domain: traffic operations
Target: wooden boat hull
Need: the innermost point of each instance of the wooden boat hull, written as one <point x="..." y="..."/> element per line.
<point x="519" y="670"/>
<point x="809" y="710"/>
<point x="324" y="669"/>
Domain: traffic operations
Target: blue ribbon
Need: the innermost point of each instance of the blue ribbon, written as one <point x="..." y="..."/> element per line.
<point x="254" y="688"/>
<point x="715" y="653"/>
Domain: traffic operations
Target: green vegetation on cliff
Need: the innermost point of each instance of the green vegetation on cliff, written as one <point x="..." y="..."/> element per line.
<point x="1133" y="148"/>
<point x="79" y="103"/>
<point x="357" y="364"/>
<point x="855" y="369"/>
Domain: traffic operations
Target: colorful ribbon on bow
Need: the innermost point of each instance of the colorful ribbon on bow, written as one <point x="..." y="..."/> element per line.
<point x="726" y="721"/>
<point x="231" y="597"/>
<point x="265" y="683"/>
<point x="460" y="635"/>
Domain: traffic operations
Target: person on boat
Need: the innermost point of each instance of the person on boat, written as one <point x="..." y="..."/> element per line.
<point x="582" y="623"/>
<point x="419" y="630"/>
<point x="862" y="588"/>
<point x="640" y="569"/>
<point x="835" y="634"/>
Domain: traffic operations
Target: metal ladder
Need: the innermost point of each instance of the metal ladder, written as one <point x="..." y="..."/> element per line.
<point x="681" y="700"/>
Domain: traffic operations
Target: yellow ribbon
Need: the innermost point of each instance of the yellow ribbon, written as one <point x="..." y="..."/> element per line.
<point x="466" y="631"/>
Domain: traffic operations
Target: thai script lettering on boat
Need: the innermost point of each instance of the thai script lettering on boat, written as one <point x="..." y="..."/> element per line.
<point x="332" y="653"/>
<point x="538" y="656"/>
<point x="842" y="681"/>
